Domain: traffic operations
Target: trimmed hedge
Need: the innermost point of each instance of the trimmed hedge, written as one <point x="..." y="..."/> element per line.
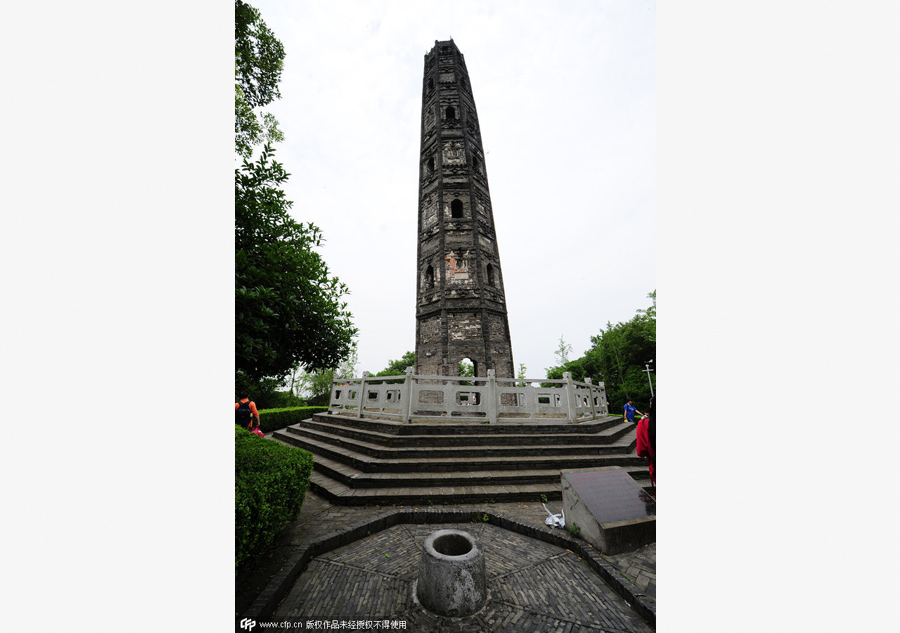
<point x="270" y="483"/>
<point x="274" y="419"/>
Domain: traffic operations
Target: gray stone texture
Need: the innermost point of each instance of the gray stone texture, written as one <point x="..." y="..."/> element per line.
<point x="460" y="304"/>
<point x="532" y="586"/>
<point x="451" y="574"/>
<point x="612" y="511"/>
<point x="411" y="397"/>
<point x="375" y="555"/>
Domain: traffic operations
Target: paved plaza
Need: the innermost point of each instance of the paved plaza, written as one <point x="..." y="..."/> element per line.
<point x="359" y="572"/>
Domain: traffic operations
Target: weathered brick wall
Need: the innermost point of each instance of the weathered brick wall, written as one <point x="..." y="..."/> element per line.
<point x="460" y="305"/>
<point x="428" y="346"/>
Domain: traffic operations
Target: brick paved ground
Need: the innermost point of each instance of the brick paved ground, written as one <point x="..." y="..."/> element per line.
<point x="530" y="582"/>
<point x="531" y="586"/>
<point x="639" y="567"/>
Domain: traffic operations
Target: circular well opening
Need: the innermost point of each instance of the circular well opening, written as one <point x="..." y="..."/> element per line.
<point x="452" y="545"/>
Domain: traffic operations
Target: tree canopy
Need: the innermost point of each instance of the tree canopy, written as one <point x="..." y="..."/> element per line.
<point x="289" y="311"/>
<point x="258" y="62"/>
<point x="618" y="356"/>
<point x="315" y="386"/>
<point x="288" y="308"/>
<point x="398" y="367"/>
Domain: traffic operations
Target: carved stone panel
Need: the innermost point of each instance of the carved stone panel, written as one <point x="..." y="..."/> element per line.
<point x="457" y="266"/>
<point x="454" y="153"/>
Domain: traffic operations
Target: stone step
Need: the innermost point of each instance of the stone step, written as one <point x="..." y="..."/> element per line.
<point x="344" y="495"/>
<point x="608" y="437"/>
<point x="388" y="427"/>
<point x="442" y="426"/>
<point x="338" y="493"/>
<point x="355" y="478"/>
<point x="599" y="434"/>
<point x="360" y="461"/>
<point x="612" y="455"/>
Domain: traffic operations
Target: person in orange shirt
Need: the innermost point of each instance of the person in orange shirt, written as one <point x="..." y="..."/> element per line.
<point x="245" y="413"/>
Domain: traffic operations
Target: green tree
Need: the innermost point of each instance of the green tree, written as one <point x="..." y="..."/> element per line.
<point x="563" y="351"/>
<point x="650" y="313"/>
<point x="316" y="385"/>
<point x="466" y="369"/>
<point x="268" y="393"/>
<point x="398" y="367"/>
<point x="258" y="62"/>
<point x="288" y="308"/>
<point x="563" y="364"/>
<point x="521" y="375"/>
<point x="576" y="367"/>
<point x="617" y="356"/>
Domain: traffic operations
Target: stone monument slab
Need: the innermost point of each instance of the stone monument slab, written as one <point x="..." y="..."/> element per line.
<point x="612" y="511"/>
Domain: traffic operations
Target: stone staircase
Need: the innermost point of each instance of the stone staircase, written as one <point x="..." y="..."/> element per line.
<point x="365" y="461"/>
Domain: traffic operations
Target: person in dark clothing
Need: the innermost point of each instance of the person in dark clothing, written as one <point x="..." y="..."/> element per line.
<point x="245" y="413"/>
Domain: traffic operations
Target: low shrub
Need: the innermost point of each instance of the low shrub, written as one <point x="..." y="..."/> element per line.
<point x="321" y="400"/>
<point x="274" y="419"/>
<point x="270" y="483"/>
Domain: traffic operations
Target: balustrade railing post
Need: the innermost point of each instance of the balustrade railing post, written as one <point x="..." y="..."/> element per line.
<point x="591" y="397"/>
<point x="492" y="396"/>
<point x="570" y="395"/>
<point x="331" y="400"/>
<point x="362" y="394"/>
<point x="406" y="394"/>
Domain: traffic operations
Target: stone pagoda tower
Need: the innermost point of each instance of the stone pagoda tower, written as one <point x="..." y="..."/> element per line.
<point x="460" y="304"/>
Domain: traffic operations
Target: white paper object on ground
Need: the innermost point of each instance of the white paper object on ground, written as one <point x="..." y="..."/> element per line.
<point x="555" y="520"/>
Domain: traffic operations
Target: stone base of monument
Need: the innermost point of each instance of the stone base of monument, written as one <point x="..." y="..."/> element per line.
<point x="611" y="511"/>
<point x="451" y="575"/>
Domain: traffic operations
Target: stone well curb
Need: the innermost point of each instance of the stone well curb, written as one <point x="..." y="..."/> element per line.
<point x="280" y="584"/>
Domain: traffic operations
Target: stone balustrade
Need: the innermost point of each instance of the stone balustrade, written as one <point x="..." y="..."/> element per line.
<point x="467" y="399"/>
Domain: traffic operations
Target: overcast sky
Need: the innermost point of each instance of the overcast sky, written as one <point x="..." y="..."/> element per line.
<point x="566" y="99"/>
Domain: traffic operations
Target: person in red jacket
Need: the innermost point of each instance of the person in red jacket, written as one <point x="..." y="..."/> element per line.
<point x="646" y="441"/>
